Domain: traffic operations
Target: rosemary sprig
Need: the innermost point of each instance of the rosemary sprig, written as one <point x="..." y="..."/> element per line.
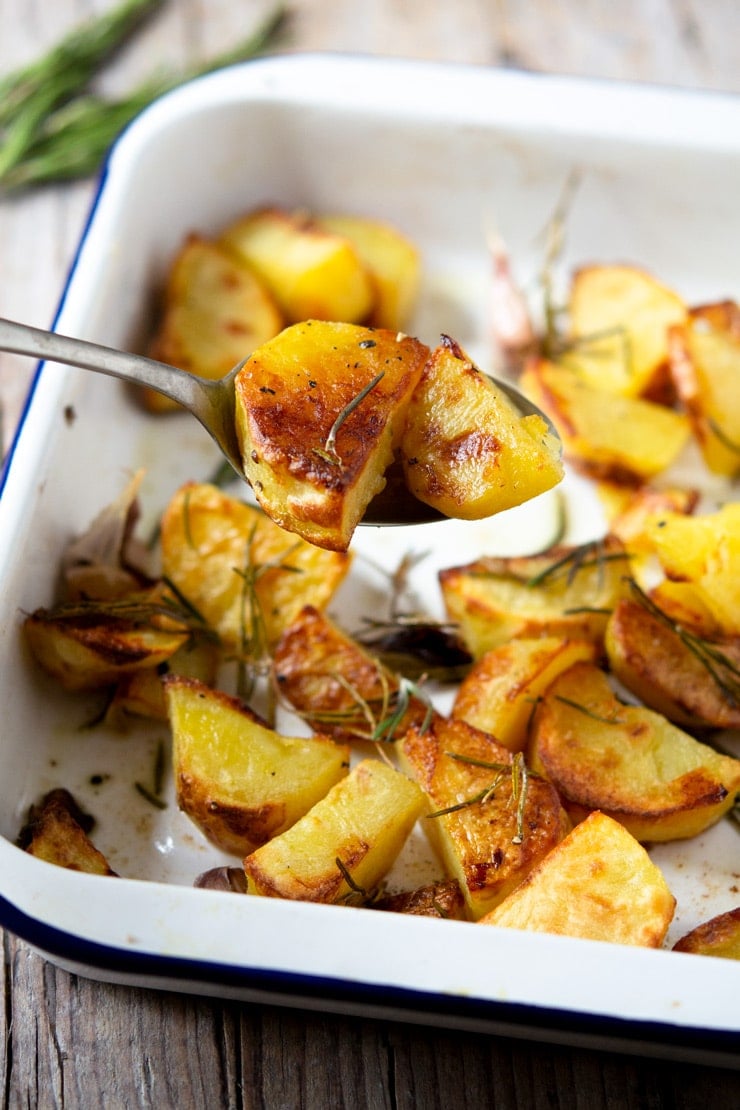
<point x="572" y="704"/>
<point x="519" y="774"/>
<point x="329" y="451"/>
<point x="579" y="558"/>
<point x="385" y="730"/>
<point x="153" y="795"/>
<point x="54" y="130"/>
<point x="74" y="60"/>
<point x="253" y="658"/>
<point x="723" y="437"/>
<point x="724" y="672"/>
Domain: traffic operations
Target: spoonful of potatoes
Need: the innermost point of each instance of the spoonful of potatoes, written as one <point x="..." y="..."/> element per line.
<point x="337" y="424"/>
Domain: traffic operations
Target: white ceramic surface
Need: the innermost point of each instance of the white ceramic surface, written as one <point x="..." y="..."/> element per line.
<point x="441" y="151"/>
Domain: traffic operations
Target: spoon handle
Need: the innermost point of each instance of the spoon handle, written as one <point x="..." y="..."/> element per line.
<point x="211" y="402"/>
<point x="22" y="339"/>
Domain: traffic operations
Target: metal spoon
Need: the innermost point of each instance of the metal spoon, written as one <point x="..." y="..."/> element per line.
<point x="213" y="404"/>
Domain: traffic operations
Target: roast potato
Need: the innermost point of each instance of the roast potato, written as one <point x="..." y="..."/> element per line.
<point x="598" y="884"/>
<point x="237" y="779"/>
<point x="467" y="450"/>
<point x="392" y="262"/>
<point x="627" y="761"/>
<point x="246" y="577"/>
<point x="311" y="272"/>
<point x="720" y="936"/>
<point x="690" y="680"/>
<point x="320" y="410"/>
<point x="345" y="844"/>
<point x="337" y="686"/>
<point x="501" y="690"/>
<point x="619" y="320"/>
<point x="216" y="311"/>
<point x="57" y="831"/>
<point x="566" y="592"/>
<point x="490" y="823"/>
<point x="705" y="365"/>
<point x="621" y="439"/>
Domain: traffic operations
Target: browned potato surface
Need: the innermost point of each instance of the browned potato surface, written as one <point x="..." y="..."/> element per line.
<point x="441" y="899"/>
<point x="719" y="936"/>
<point x="466" y="450"/>
<point x="237" y="779"/>
<point x="57" y="831"/>
<point x="627" y="761"/>
<point x="337" y="686"/>
<point x="662" y="665"/>
<point x="246" y="576"/>
<point x="488" y="826"/>
<point x="86" y="647"/>
<point x="315" y="446"/>
<point x="500" y="692"/>
<point x="566" y="592"/>
<point x="598" y="884"/>
<point x="345" y="845"/>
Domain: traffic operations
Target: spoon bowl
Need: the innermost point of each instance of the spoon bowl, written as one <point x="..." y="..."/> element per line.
<point x="213" y="404"/>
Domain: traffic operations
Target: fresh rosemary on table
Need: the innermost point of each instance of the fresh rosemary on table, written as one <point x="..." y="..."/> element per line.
<point x="54" y="127"/>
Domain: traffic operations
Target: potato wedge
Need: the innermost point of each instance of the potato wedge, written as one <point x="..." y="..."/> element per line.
<point x="337" y="686"/>
<point x="703" y="552"/>
<point x="392" y="261"/>
<point x="320" y="410"/>
<point x="238" y="780"/>
<point x="627" y="761"/>
<point x="705" y="366"/>
<point x="87" y="646"/>
<point x="467" y="451"/>
<point x="619" y="320"/>
<point x="625" y="439"/>
<point x="690" y="680"/>
<point x="57" y="831"/>
<point x="346" y="843"/>
<point x="488" y="826"/>
<point x="566" y="592"/>
<point x="718" y="937"/>
<point x="312" y="273"/>
<point x="210" y="541"/>
<point x="216" y="311"/>
<point x="598" y="884"/>
<point x="499" y="694"/>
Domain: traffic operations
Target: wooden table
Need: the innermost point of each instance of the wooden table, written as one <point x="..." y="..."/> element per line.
<point x="76" y="1043"/>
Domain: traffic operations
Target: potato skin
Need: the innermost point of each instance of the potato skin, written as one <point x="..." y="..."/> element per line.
<point x="57" y="831"/>
<point x="719" y="936"/>
<point x="629" y="762"/>
<point x="238" y="780"/>
<point x="291" y="393"/>
<point x="478" y="843"/>
<point x="652" y="661"/>
<point x="345" y="844"/>
<point x="325" y="675"/>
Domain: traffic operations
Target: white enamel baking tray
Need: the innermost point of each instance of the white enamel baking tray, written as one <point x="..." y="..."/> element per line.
<point x="442" y="152"/>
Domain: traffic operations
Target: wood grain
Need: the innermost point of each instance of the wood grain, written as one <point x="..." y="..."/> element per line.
<point x="71" y="1042"/>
